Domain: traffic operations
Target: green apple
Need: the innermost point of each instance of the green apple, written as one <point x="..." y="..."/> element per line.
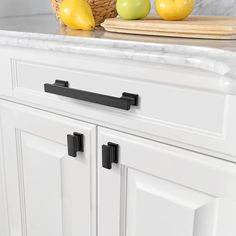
<point x="133" y="9"/>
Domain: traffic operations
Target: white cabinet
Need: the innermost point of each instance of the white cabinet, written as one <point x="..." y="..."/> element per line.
<point x="149" y="188"/>
<point x="156" y="189"/>
<point x="49" y="193"/>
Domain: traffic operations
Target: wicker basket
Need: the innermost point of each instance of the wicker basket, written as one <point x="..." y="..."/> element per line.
<point x="102" y="9"/>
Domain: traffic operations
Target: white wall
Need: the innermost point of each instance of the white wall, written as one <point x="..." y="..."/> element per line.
<point x="24" y="7"/>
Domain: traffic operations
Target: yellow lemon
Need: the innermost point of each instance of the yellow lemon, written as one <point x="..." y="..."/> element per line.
<point x="174" y="9"/>
<point x="77" y="14"/>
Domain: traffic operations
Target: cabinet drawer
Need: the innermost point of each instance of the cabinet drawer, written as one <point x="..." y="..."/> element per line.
<point x="173" y="114"/>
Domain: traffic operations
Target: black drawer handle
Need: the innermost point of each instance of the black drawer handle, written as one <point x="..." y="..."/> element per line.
<point x="62" y="88"/>
<point x="109" y="155"/>
<point x="75" y="143"/>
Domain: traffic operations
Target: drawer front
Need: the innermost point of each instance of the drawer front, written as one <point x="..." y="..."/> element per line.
<point x="173" y="114"/>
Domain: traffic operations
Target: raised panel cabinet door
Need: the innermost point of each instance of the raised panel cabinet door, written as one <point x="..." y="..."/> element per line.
<point x="4" y="229"/>
<point x="49" y="193"/>
<point x="154" y="189"/>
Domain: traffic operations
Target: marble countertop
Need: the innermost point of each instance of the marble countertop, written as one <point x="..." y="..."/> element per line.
<point x="43" y="32"/>
<point x="40" y="25"/>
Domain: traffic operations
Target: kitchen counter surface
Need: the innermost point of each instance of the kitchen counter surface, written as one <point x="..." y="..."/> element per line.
<point x="44" y="32"/>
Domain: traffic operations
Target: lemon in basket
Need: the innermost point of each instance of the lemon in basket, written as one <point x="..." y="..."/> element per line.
<point x="77" y="14"/>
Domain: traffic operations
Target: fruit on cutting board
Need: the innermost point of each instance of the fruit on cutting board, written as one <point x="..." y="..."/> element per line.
<point x="174" y="9"/>
<point x="77" y="14"/>
<point x="133" y="9"/>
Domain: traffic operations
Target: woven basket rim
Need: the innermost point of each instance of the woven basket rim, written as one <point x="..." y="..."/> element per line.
<point x="102" y="9"/>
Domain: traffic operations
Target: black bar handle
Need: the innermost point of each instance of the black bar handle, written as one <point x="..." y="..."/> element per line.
<point x="109" y="155"/>
<point x="62" y="88"/>
<point x="75" y="144"/>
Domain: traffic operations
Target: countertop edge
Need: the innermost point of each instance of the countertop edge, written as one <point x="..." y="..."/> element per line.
<point x="219" y="61"/>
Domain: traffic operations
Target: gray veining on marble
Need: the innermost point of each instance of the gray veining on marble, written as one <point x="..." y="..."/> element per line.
<point x="43" y="32"/>
<point x="215" y="7"/>
<point x="211" y="7"/>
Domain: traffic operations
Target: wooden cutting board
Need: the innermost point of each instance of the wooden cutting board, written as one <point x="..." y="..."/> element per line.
<point x="208" y="27"/>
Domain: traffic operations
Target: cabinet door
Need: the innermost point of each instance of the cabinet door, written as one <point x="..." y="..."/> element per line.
<point x="49" y="193"/>
<point x="4" y="230"/>
<point x="159" y="190"/>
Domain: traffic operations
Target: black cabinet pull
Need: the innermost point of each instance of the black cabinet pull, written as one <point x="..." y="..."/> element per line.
<point x="75" y="144"/>
<point x="109" y="155"/>
<point x="62" y="88"/>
